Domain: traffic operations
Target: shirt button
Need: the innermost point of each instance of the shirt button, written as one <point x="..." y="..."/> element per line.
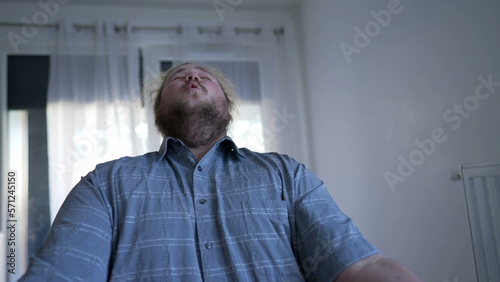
<point x="202" y="201"/>
<point x="199" y="168"/>
<point x="208" y="246"/>
<point x="178" y="144"/>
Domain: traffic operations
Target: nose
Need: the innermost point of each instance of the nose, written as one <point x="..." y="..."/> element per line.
<point x="191" y="75"/>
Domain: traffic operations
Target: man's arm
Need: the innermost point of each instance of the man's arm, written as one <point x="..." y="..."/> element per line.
<point x="377" y="268"/>
<point x="78" y="246"/>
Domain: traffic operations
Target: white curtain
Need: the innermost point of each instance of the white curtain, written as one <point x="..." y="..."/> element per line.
<point x="94" y="105"/>
<point x="235" y="50"/>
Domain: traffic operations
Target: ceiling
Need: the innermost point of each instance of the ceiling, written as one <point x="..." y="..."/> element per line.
<point x="201" y="4"/>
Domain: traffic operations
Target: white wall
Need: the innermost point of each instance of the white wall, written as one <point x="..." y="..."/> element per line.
<point x="367" y="112"/>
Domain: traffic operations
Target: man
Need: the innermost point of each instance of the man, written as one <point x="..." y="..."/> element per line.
<point x="202" y="209"/>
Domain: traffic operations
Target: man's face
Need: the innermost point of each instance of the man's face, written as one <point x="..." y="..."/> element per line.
<point x="191" y="85"/>
<point x="192" y="107"/>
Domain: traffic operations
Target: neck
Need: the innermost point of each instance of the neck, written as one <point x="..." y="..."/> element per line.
<point x="201" y="150"/>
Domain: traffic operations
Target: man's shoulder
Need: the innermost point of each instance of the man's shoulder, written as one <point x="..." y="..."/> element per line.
<point x="269" y="157"/>
<point x="128" y="163"/>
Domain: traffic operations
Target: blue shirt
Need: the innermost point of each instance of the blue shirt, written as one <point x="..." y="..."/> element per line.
<point x="236" y="215"/>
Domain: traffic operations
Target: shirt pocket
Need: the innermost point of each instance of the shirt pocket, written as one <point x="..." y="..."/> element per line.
<point x="269" y="218"/>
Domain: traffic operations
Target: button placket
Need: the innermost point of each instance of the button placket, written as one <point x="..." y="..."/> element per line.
<point x="202" y="191"/>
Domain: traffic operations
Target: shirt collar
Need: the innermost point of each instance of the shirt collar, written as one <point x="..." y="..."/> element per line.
<point x="228" y="141"/>
<point x="225" y="143"/>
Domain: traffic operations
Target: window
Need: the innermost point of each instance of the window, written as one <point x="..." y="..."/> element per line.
<point x="27" y="81"/>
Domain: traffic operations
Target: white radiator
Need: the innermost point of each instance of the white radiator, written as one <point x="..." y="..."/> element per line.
<point x="482" y="193"/>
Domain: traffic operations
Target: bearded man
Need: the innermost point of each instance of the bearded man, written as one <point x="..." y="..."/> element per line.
<point x="202" y="209"/>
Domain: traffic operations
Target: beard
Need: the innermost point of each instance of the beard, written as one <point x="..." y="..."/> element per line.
<point x="197" y="126"/>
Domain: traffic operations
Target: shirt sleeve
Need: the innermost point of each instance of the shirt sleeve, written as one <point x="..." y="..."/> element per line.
<point x="327" y="240"/>
<point x="78" y="245"/>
